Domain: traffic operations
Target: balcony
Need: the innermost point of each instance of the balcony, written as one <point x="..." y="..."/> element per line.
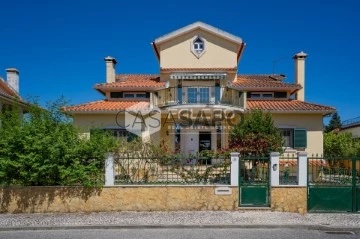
<point x="198" y="95"/>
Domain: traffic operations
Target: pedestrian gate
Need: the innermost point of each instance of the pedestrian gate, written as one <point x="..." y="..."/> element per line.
<point x="333" y="184"/>
<point x="254" y="181"/>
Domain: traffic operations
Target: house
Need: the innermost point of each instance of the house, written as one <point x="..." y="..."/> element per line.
<point x="351" y="126"/>
<point x="9" y="90"/>
<point x="199" y="94"/>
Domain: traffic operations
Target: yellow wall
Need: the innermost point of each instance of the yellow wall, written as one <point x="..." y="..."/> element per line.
<point x="87" y="121"/>
<point x="313" y="123"/>
<point x="354" y="131"/>
<point x="177" y="53"/>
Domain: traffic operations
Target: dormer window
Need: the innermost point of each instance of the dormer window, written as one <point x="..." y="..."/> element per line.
<point x="198" y="46"/>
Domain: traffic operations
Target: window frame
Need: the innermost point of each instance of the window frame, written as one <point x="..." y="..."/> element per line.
<point x="135" y="95"/>
<point x="261" y="95"/>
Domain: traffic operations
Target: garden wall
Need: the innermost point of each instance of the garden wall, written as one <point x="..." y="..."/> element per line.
<point x="118" y="198"/>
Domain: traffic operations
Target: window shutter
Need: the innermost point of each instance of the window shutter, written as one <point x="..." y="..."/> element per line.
<point x="300" y="138"/>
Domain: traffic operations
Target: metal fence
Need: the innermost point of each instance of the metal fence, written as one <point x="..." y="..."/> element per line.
<point x="288" y="169"/>
<point x="333" y="170"/>
<point x="176" y="169"/>
<point x="254" y="170"/>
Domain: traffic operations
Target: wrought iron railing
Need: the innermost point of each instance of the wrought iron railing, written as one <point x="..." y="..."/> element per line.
<point x="179" y="169"/>
<point x="288" y="169"/>
<point x="197" y="95"/>
<point x="254" y="170"/>
<point x="333" y="170"/>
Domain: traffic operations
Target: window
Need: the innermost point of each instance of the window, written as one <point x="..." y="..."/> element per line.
<point x="198" y="46"/>
<point x="141" y="95"/>
<point x="294" y="138"/>
<point x="261" y="95"/>
<point x="116" y="94"/>
<point x="122" y="134"/>
<point x="287" y="135"/>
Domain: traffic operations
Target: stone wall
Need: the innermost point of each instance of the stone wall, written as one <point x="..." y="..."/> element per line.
<point x="289" y="199"/>
<point x="125" y="198"/>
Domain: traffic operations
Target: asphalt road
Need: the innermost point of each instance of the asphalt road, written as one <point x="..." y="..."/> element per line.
<point x="176" y="233"/>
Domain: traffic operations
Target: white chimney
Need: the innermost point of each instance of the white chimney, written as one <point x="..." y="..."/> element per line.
<point x="12" y="78"/>
<point x="299" y="60"/>
<point x="110" y="69"/>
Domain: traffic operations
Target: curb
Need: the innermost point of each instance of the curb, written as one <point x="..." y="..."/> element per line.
<point x="164" y="226"/>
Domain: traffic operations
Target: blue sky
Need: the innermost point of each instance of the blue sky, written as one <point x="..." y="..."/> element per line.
<point x="59" y="46"/>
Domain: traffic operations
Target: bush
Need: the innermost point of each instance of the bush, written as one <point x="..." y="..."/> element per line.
<point x="256" y="135"/>
<point x="43" y="148"/>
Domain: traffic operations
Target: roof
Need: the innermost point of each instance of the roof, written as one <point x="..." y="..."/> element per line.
<point x="351" y="123"/>
<point x="107" y="106"/>
<point x="288" y="106"/>
<point x="5" y="89"/>
<point x="152" y="82"/>
<point x="263" y="81"/>
<point x="199" y="69"/>
<point x="133" y="81"/>
<point x="199" y="25"/>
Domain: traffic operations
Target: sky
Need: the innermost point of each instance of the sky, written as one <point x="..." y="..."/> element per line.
<point x="59" y="46"/>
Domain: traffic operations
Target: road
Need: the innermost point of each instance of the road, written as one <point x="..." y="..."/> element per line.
<point x="175" y="233"/>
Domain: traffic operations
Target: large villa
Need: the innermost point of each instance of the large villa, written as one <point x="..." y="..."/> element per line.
<point x="199" y="93"/>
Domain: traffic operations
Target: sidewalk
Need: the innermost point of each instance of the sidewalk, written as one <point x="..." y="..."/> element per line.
<point x="245" y="219"/>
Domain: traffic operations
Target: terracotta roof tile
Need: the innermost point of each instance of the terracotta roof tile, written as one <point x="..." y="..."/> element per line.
<point x="262" y="81"/>
<point x="133" y="80"/>
<point x="104" y="105"/>
<point x="286" y="105"/>
<point x="200" y="69"/>
<point x="6" y="90"/>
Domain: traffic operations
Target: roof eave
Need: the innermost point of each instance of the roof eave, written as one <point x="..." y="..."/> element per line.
<point x="264" y="88"/>
<point x="198" y="25"/>
<point x="119" y="88"/>
<point x="323" y="112"/>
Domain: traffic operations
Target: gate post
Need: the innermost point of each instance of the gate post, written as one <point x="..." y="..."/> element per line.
<point x="302" y="168"/>
<point x="109" y="170"/>
<point x="275" y="176"/>
<point x="234" y="173"/>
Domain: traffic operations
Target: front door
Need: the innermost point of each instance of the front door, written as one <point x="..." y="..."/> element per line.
<point x="189" y="142"/>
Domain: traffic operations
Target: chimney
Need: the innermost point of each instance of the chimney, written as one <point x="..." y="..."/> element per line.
<point x="299" y="60"/>
<point x="12" y="78"/>
<point x="110" y="69"/>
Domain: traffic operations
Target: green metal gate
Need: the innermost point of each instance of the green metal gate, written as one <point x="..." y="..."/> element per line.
<point x="254" y="182"/>
<point x="333" y="184"/>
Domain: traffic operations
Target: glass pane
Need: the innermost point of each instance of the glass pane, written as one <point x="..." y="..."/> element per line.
<point x="192" y="95"/>
<point x="129" y="96"/>
<point x="267" y="96"/>
<point x="204" y="95"/>
<point x="255" y="95"/>
<point x="140" y="95"/>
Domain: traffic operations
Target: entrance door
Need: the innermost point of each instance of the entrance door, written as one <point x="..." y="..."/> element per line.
<point x="189" y="142"/>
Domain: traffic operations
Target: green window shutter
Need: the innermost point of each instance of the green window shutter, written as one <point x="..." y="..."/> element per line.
<point x="300" y="138"/>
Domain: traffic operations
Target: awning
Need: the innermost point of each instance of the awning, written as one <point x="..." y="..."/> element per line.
<point x="197" y="76"/>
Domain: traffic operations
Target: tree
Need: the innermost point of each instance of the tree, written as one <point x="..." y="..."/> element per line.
<point x="44" y="148"/>
<point x="340" y="144"/>
<point x="334" y="123"/>
<point x="256" y="135"/>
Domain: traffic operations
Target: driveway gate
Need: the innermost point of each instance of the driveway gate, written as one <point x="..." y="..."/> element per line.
<point x="333" y="184"/>
<point x="254" y="181"/>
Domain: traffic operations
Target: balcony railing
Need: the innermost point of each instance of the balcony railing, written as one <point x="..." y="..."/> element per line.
<point x="198" y="95"/>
